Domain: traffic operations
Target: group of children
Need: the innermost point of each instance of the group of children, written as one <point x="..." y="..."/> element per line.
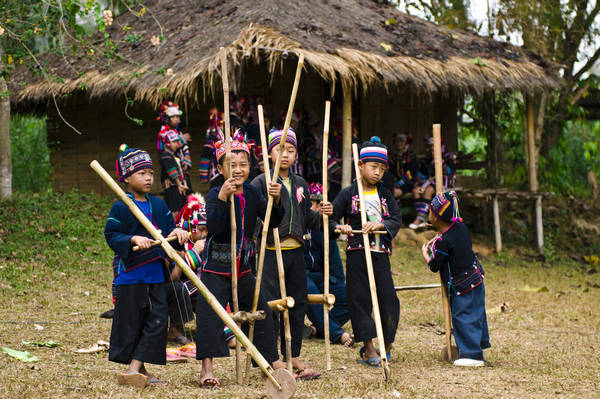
<point x="139" y="330"/>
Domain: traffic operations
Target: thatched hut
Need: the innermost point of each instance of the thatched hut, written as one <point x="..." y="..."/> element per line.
<point x="387" y="70"/>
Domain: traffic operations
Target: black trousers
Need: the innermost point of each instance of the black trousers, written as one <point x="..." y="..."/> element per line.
<point x="295" y="286"/>
<point x="179" y="304"/>
<point x="139" y="326"/>
<point x="359" y="296"/>
<point x="209" y="327"/>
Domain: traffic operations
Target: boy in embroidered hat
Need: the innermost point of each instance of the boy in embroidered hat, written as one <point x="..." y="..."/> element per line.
<point x="451" y="254"/>
<point x="170" y="117"/>
<point x="382" y="214"/>
<point x="139" y="327"/>
<point x="297" y="218"/>
<point x="216" y="271"/>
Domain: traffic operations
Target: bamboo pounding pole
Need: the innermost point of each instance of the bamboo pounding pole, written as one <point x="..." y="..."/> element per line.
<point x="346" y="135"/>
<point x="369" y="261"/>
<point x="267" y="218"/>
<point x="318" y="299"/>
<point x="282" y="303"/>
<point x="286" y="313"/>
<point x="326" y="237"/>
<point x="155" y="242"/>
<point x="205" y="292"/>
<point x="416" y="287"/>
<point x="439" y="188"/>
<point x="360" y="231"/>
<point x="234" y="275"/>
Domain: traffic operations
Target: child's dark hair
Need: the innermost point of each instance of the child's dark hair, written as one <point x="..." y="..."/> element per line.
<point x="222" y="159"/>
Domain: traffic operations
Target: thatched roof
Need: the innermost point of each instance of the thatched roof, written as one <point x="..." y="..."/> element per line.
<point x="342" y="40"/>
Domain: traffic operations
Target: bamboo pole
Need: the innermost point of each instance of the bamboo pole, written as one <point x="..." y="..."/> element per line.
<point x="497" y="232"/>
<point x="326" y="307"/>
<point x="234" y="265"/>
<point x="439" y="188"/>
<point x="267" y="218"/>
<point x="286" y="313"/>
<point x="416" y="287"/>
<point x="327" y="300"/>
<point x="155" y="242"/>
<point x="369" y="260"/>
<point x="360" y="231"/>
<point x="533" y="180"/>
<point x="346" y="135"/>
<point x="205" y="292"/>
<point x="282" y="303"/>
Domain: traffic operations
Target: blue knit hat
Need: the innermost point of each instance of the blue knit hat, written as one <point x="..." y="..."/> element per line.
<point x="373" y="151"/>
<point x="131" y="160"/>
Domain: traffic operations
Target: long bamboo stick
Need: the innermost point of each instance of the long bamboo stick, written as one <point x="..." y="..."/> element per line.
<point x="369" y="260"/>
<point x="205" y="292"/>
<point x="321" y="299"/>
<point x="267" y="218"/>
<point x="439" y="188"/>
<point x="360" y="231"/>
<point x="326" y="237"/>
<point x="234" y="276"/>
<point x="282" y="303"/>
<point x="286" y="313"/>
<point x="155" y="242"/>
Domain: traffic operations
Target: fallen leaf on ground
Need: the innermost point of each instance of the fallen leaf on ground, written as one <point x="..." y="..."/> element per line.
<point x="99" y="346"/>
<point x="527" y="288"/>
<point x="20" y="355"/>
<point x="38" y="327"/>
<point x="48" y="343"/>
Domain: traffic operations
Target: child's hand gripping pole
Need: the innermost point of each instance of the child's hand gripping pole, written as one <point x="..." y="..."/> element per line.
<point x="326" y="236"/>
<point x="439" y="188"/>
<point x="205" y="292"/>
<point x="267" y="218"/>
<point x="369" y="260"/>
<point x="234" y="276"/>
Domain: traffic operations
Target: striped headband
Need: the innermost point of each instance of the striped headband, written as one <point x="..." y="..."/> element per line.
<point x="276" y="135"/>
<point x="131" y="160"/>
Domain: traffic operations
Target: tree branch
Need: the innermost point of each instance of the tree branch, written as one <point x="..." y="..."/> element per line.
<point x="590" y="63"/>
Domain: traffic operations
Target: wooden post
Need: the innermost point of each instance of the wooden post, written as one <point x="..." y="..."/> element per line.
<point x="326" y="237"/>
<point x="346" y="136"/>
<point x="497" y="232"/>
<point x="533" y="181"/>
<point x="370" y="274"/>
<point x="234" y="276"/>
<point x="267" y="218"/>
<point x="286" y="313"/>
<point x="205" y="292"/>
<point x="439" y="188"/>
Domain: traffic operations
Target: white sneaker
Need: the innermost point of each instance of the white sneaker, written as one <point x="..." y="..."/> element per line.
<point x="464" y="362"/>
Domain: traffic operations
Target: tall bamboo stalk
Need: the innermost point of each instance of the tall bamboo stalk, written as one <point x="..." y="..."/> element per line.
<point x="326" y="237"/>
<point x="286" y="312"/>
<point x="369" y="261"/>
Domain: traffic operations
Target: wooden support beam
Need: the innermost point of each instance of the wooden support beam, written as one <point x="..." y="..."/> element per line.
<point x="346" y="136"/>
<point x="533" y="181"/>
<point x="497" y="233"/>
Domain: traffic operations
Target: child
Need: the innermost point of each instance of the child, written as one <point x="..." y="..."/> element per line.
<point x="404" y="166"/>
<point x="382" y="214"/>
<point x="424" y="189"/>
<point x="175" y="180"/>
<point x="314" y="244"/>
<point x="216" y="272"/>
<point x="139" y="327"/>
<point x="297" y="218"/>
<point x="170" y="117"/>
<point x="450" y="253"/>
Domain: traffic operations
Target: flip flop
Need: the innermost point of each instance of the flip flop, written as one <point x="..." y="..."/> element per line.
<point x="174" y="356"/>
<point x="132" y="378"/>
<point x="388" y="355"/>
<point x="307" y="374"/>
<point x="209" y="383"/>
<point x="156" y="382"/>
<point x="371" y="361"/>
<point x="188" y="350"/>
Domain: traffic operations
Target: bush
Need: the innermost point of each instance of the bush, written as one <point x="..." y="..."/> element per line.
<point x="31" y="167"/>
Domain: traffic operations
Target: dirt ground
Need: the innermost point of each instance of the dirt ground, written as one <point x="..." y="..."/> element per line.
<point x="544" y="344"/>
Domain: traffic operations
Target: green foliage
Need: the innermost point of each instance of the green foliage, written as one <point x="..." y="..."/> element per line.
<point x="65" y="229"/>
<point x="30" y="154"/>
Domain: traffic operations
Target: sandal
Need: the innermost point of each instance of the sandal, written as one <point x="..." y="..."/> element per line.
<point x="174" y="356"/>
<point x="132" y="378"/>
<point x="209" y="383"/>
<point x="371" y="361"/>
<point x="180" y="340"/>
<point x="188" y="350"/>
<point x="156" y="382"/>
<point x="307" y="374"/>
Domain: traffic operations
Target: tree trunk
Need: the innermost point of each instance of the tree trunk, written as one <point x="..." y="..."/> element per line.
<point x="5" y="162"/>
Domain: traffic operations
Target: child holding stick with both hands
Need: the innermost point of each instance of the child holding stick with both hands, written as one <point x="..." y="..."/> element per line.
<point x="382" y="214"/>
<point x="451" y="254"/>
<point x="216" y="272"/>
<point x="139" y="327"/>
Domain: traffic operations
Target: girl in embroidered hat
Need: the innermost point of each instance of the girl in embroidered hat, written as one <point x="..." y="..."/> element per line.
<point x="450" y="253"/>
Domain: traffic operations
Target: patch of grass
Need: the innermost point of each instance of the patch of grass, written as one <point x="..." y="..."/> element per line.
<point x="55" y="269"/>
